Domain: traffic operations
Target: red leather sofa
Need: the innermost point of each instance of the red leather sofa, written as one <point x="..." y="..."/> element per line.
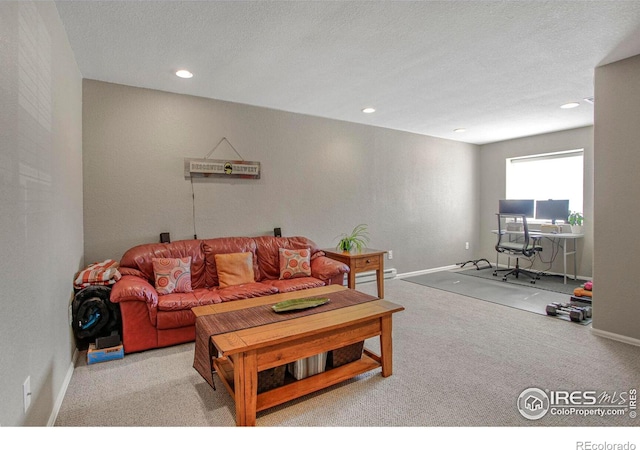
<point x="150" y="320"/>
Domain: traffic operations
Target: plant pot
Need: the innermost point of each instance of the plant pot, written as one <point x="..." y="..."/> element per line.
<point x="576" y="229"/>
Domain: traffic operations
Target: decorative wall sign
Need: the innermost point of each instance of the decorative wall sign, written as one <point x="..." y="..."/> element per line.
<point x="221" y="168"/>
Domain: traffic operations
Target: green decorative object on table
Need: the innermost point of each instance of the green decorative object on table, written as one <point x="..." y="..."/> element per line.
<point x="575" y="220"/>
<point x="356" y="240"/>
<point x="299" y="303"/>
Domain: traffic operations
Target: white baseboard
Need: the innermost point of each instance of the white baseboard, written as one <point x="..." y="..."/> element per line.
<point x="364" y="277"/>
<point x="393" y="273"/>
<point x="616" y="337"/>
<point x="422" y="272"/>
<point x="63" y="390"/>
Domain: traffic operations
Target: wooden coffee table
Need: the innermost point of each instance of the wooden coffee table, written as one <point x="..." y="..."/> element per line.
<point x="245" y="352"/>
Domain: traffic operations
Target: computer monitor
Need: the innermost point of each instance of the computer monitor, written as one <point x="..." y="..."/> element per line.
<point x="552" y="210"/>
<point x="516" y="206"/>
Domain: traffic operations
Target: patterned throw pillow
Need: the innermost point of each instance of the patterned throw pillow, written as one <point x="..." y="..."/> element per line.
<point x="234" y="268"/>
<point x="294" y="263"/>
<point x="172" y="274"/>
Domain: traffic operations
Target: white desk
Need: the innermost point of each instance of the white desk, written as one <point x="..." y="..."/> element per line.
<point x="562" y="239"/>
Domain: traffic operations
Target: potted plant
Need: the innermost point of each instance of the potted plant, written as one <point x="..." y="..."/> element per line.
<point x="356" y="240"/>
<point x="575" y="220"/>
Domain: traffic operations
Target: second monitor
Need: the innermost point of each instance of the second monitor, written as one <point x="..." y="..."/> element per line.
<point x="516" y="206"/>
<point x="552" y="210"/>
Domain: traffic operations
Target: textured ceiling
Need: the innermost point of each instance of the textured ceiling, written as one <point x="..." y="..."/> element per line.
<point x="500" y="69"/>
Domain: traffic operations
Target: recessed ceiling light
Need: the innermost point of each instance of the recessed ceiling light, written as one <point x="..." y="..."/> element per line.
<point x="369" y="110"/>
<point x="459" y="130"/>
<point x="570" y="105"/>
<point x="184" y="74"/>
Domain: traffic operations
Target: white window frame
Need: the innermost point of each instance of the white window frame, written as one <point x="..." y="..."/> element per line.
<point x="530" y="181"/>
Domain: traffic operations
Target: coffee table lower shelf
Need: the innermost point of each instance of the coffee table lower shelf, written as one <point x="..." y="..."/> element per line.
<point x="293" y="388"/>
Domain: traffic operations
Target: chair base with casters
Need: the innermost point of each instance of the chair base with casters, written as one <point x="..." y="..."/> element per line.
<point x="516" y="271"/>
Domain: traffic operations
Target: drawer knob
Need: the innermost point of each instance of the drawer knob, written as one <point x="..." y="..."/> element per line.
<point x="368" y="261"/>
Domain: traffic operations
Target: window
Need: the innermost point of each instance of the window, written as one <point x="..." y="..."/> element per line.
<point x="557" y="176"/>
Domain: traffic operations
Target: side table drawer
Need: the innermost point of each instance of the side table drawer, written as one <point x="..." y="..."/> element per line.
<point x="368" y="263"/>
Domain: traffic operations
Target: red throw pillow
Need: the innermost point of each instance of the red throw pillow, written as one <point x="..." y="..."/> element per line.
<point x="294" y="263"/>
<point x="172" y="275"/>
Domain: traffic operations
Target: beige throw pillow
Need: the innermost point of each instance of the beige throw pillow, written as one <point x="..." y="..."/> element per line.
<point x="234" y="268"/>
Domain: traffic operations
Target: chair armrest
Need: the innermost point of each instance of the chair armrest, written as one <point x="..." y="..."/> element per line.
<point x="325" y="268"/>
<point x="132" y="288"/>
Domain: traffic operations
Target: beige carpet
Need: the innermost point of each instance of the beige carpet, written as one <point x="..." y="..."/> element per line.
<point x="458" y="362"/>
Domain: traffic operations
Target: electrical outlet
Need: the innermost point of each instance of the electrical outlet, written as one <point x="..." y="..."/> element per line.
<point x="26" y="393"/>
<point x="390" y="253"/>
<point x="466" y="246"/>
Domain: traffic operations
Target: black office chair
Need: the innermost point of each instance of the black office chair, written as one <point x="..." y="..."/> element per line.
<point x="514" y="240"/>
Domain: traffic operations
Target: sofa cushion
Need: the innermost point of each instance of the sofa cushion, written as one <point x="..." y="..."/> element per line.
<point x="294" y="263"/>
<point x="172" y="275"/>
<point x="247" y="290"/>
<point x="186" y="301"/>
<point x="268" y="253"/>
<point x="234" y="269"/>
<point x="140" y="258"/>
<point x="295" y="284"/>
<point x="212" y="247"/>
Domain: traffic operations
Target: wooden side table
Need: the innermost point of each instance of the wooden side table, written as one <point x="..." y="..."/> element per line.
<point x="362" y="261"/>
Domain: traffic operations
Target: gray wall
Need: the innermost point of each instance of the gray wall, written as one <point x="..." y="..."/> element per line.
<point x="493" y="185"/>
<point x="40" y="207"/>
<point x="617" y="190"/>
<point x="320" y="178"/>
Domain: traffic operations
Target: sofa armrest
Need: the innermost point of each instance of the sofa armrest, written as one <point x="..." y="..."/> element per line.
<point x="325" y="268"/>
<point x="132" y="288"/>
<point x="131" y="271"/>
